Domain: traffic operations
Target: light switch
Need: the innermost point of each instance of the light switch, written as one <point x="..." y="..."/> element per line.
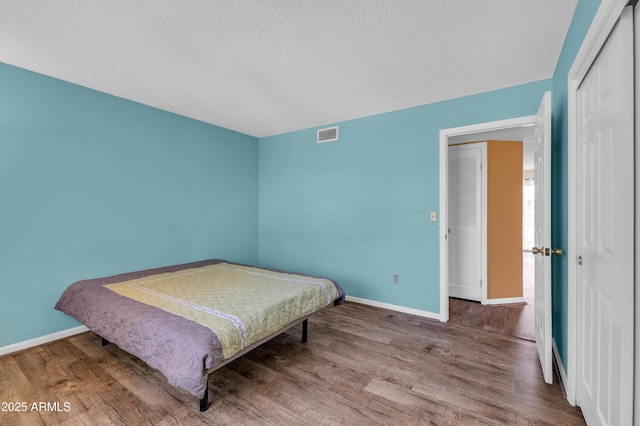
<point x="433" y="217"/>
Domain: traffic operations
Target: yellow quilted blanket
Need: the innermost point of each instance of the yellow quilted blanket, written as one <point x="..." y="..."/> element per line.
<point x="240" y="304"/>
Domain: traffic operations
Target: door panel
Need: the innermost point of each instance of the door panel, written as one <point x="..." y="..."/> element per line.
<point x="542" y="225"/>
<point x="605" y="201"/>
<point x="465" y="226"/>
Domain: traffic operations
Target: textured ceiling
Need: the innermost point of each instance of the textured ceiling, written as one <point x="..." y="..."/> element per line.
<point x="268" y="67"/>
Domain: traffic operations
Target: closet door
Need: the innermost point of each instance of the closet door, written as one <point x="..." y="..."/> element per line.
<point x="465" y="212"/>
<point x="606" y="247"/>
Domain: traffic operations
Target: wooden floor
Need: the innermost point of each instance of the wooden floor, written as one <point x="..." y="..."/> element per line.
<point x="361" y="366"/>
<point x="515" y="319"/>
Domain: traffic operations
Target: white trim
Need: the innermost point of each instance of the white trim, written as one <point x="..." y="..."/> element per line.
<point x="505" y="300"/>
<point x="605" y="19"/>
<point x="444" y="148"/>
<point x="483" y="224"/>
<point x="636" y="386"/>
<point x="4" y="350"/>
<point x="396" y="308"/>
<point x="561" y="371"/>
<point x="444" y="225"/>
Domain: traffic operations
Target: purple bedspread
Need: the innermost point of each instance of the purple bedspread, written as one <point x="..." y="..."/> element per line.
<point x="181" y="349"/>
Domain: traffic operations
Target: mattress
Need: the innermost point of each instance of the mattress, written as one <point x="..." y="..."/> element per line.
<point x="184" y="320"/>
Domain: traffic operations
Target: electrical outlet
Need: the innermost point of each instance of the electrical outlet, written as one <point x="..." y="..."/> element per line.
<point x="433" y="217"/>
<point x="396" y="279"/>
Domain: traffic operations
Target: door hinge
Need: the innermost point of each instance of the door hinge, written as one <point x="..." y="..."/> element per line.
<point x="480" y="283"/>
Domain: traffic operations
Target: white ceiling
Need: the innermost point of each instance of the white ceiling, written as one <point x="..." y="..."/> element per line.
<point x="268" y="67"/>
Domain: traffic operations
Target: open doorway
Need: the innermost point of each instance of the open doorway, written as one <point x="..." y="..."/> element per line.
<point x="518" y="318"/>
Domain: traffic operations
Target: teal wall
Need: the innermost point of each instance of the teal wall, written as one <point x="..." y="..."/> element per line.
<point x="582" y="19"/>
<point x="93" y="185"/>
<point x="357" y="210"/>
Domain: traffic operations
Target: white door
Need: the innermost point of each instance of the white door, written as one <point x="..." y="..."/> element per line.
<point x="542" y="225"/>
<point x="465" y="221"/>
<point x="605" y="208"/>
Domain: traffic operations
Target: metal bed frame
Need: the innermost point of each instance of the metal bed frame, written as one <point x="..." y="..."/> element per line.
<point x="204" y="401"/>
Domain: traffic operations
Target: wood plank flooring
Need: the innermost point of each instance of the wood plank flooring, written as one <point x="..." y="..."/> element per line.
<point x="515" y="319"/>
<point x="361" y="366"/>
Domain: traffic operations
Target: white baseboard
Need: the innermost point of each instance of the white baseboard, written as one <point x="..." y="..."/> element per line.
<point x="561" y="371"/>
<point x="505" y="300"/>
<point x="4" y="350"/>
<point x="397" y="308"/>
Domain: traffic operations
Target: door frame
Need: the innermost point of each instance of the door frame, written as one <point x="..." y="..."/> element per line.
<point x="603" y="23"/>
<point x="526" y="121"/>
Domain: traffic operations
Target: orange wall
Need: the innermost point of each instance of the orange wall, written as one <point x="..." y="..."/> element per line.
<point x="504" y="219"/>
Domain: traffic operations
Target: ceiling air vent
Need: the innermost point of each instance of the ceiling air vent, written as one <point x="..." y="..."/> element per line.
<point x="329" y="134"/>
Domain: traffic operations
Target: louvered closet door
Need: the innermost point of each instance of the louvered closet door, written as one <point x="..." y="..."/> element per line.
<point x="465" y="221"/>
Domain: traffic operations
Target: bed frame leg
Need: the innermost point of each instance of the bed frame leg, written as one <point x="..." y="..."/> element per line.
<point x="305" y="325"/>
<point x="204" y="402"/>
<point x="105" y="342"/>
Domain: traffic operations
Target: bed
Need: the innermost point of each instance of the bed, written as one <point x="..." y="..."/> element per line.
<point x="188" y="320"/>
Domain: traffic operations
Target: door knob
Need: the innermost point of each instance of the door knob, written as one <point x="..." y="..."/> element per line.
<point x="546" y="251"/>
<point x="536" y="250"/>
